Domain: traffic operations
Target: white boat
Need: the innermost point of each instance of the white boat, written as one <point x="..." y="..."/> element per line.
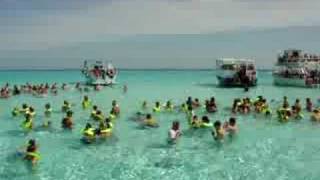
<point x="297" y="68"/>
<point x="99" y="73"/>
<point x="236" y="72"/>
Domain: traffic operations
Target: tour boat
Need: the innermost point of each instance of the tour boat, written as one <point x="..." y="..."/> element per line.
<point x="99" y="73"/>
<point x="297" y="68"/>
<point x="236" y="72"/>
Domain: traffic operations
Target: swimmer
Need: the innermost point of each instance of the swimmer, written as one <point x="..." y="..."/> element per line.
<point x="27" y="124"/>
<point x="105" y="128"/>
<point x="99" y="116"/>
<point x="94" y="111"/>
<point x="89" y="133"/>
<point x="218" y="131"/>
<point x="112" y="115"/>
<point x="174" y="133"/>
<point x="231" y="127"/>
<point x="315" y="116"/>
<point x="195" y="123"/>
<point x="48" y="110"/>
<point x="31" y="152"/>
<point x="66" y="106"/>
<point x="144" y="105"/>
<point x="86" y="102"/>
<point x="150" y="121"/>
<point x="67" y="121"/>
<point x="196" y="103"/>
<point x="309" y="105"/>
<point x="115" y="108"/>
<point x="25" y="109"/>
<point x="15" y="112"/>
<point x="31" y="112"/>
<point x="190" y="113"/>
<point x="205" y="122"/>
<point x="169" y="106"/>
<point x="157" y="107"/>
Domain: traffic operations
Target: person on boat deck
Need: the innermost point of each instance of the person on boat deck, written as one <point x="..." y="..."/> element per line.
<point x="315" y="116"/>
<point x="31" y="152"/>
<point x="116" y="107"/>
<point x="231" y="126"/>
<point x="195" y="123"/>
<point x="211" y="105"/>
<point x="48" y="110"/>
<point x="218" y="131"/>
<point x="205" y="122"/>
<point x="174" y="133"/>
<point x="150" y="121"/>
<point x="196" y="103"/>
<point x="309" y="105"/>
<point x="157" y="107"/>
<point x="66" y="106"/>
<point x="67" y="122"/>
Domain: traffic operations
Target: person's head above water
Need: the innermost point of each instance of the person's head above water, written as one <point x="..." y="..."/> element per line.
<point x="69" y="113"/>
<point x="32" y="142"/>
<point x="148" y="116"/>
<point x="95" y="107"/>
<point x="157" y="104"/>
<point x="232" y="121"/>
<point x="24" y="106"/>
<point x="107" y="120"/>
<point x="175" y="125"/>
<point x="88" y="126"/>
<point x="217" y="124"/>
<point x="114" y="103"/>
<point x="205" y="119"/>
<point x="47" y="106"/>
<point x="86" y="98"/>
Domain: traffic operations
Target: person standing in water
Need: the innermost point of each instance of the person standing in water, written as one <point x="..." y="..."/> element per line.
<point x="31" y="153"/>
<point x="174" y="133"/>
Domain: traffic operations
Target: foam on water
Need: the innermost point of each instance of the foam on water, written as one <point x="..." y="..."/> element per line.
<point x="264" y="149"/>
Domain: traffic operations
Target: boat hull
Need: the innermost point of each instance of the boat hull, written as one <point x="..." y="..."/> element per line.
<point x="231" y="82"/>
<point x="282" y="81"/>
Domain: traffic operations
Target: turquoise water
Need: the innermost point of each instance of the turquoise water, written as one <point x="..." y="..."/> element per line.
<point x="263" y="149"/>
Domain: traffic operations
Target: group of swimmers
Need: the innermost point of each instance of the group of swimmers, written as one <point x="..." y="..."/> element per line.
<point x="147" y="117"/>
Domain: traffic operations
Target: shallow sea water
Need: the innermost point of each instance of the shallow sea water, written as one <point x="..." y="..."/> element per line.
<point x="264" y="149"/>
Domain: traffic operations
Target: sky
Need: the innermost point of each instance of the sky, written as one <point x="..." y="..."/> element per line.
<point x="153" y="33"/>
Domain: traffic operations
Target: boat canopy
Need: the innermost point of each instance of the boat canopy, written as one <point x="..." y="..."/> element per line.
<point x="233" y="63"/>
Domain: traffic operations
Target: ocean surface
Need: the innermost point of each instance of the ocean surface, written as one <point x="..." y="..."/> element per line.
<point x="264" y="149"/>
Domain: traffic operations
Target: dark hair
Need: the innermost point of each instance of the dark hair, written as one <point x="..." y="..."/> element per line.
<point x="69" y="113"/>
<point x="148" y="116"/>
<point x="205" y="119"/>
<point x="217" y="124"/>
<point x="232" y="121"/>
<point x="95" y="107"/>
<point x="88" y="125"/>
<point x="32" y="142"/>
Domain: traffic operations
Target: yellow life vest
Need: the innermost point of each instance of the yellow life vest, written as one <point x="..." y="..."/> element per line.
<point x="157" y="109"/>
<point x="206" y="125"/>
<point x="27" y="125"/>
<point x="35" y="155"/>
<point x="89" y="132"/>
<point x="86" y="104"/>
<point x="112" y="117"/>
